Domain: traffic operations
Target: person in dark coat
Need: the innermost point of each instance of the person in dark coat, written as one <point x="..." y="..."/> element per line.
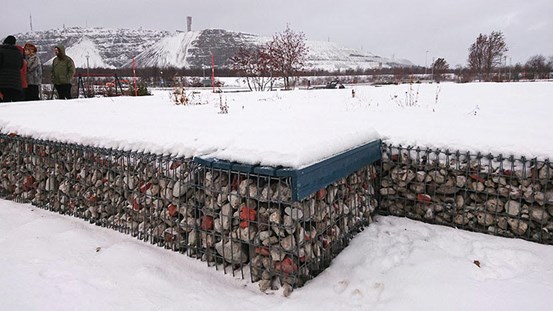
<point x="63" y="70"/>
<point x="34" y="72"/>
<point x="11" y="63"/>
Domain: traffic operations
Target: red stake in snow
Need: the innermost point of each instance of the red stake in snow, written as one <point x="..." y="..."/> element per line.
<point x="134" y="76"/>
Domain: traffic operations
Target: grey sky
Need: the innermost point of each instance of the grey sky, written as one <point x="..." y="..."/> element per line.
<point x="400" y="28"/>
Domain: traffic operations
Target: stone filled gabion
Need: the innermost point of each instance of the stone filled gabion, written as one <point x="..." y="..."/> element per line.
<point x="491" y="194"/>
<point x="244" y="223"/>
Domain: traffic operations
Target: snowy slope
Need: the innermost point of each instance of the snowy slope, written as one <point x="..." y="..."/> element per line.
<point x="223" y="44"/>
<point x="331" y="56"/>
<point x="116" y="47"/>
<point x="171" y="51"/>
<point x="86" y="54"/>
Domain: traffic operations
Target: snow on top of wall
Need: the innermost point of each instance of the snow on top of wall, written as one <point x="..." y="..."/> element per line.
<point x="298" y="128"/>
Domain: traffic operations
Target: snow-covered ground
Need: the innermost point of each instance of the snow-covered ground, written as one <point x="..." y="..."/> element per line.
<point x="297" y="128"/>
<point x="54" y="262"/>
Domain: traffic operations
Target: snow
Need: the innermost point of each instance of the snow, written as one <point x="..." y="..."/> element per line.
<point x="84" y="48"/>
<point x="170" y="51"/>
<point x="54" y="262"/>
<point x="85" y="54"/>
<point x="174" y="51"/>
<point x="297" y="128"/>
<point x="331" y="56"/>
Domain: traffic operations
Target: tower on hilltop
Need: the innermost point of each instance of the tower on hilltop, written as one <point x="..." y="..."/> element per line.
<point x="189" y="23"/>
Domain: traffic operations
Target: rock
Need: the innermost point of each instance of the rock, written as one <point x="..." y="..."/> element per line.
<point x="418" y="187"/>
<point x="287" y="289"/>
<point x="289" y="224"/>
<point x="437" y="177"/>
<point x="548" y="197"/>
<point x="518" y="227"/>
<point x="264" y="285"/>
<point x="446" y="189"/>
<point x="546" y="172"/>
<point x="267" y="193"/>
<point x="247" y="234"/>
<point x="232" y="252"/>
<point x="502" y="223"/>
<point x="539" y="215"/>
<point x="288" y="243"/>
<point x="387" y="191"/>
<point x="459" y="201"/>
<point x="512" y="208"/>
<point x="234" y="199"/>
<point x="275" y="217"/>
<point x="485" y="219"/>
<point x="295" y="213"/>
<point x="179" y="189"/>
<point x="277" y="255"/>
<point x="226" y="216"/>
<point x="282" y="193"/>
<point x="494" y="205"/>
<point x="460" y="220"/>
<point x="421" y="176"/>
<point x="477" y="186"/>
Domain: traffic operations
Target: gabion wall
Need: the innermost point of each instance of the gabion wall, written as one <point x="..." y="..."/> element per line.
<point x="492" y="194"/>
<point x="242" y="223"/>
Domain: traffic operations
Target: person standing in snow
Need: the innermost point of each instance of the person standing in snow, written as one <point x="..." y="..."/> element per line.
<point x="63" y="70"/>
<point x="34" y="72"/>
<point x="11" y="64"/>
<point x="23" y="72"/>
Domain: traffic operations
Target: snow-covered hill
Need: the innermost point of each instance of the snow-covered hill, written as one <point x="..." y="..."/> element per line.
<point x="111" y="48"/>
<point x="86" y="52"/>
<point x="171" y="51"/>
<point x="194" y="50"/>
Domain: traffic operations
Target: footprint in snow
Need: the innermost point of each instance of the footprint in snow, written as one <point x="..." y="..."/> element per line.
<point x="341" y="286"/>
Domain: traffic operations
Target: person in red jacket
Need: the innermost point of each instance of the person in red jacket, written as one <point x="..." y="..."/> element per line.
<point x="24" y="84"/>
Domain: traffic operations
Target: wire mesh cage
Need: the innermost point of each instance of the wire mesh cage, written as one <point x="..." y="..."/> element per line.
<point x="505" y="196"/>
<point x="245" y="223"/>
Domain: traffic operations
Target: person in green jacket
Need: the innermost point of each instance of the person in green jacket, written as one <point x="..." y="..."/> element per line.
<point x="63" y="70"/>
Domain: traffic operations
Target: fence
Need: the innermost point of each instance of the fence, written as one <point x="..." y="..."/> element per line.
<point x="497" y="195"/>
<point x="248" y="221"/>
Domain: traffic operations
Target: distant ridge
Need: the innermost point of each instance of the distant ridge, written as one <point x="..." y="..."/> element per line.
<point x="115" y="48"/>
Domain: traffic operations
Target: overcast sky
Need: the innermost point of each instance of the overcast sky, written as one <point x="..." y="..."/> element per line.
<point x="398" y="28"/>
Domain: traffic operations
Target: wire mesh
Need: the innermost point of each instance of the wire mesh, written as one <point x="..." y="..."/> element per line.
<point x="242" y="223"/>
<point x="504" y="196"/>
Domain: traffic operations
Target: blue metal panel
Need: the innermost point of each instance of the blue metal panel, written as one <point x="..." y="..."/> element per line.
<point x="307" y="180"/>
<point x="322" y="174"/>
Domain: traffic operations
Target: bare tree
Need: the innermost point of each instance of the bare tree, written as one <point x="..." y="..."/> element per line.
<point x="476" y="55"/>
<point x="486" y="53"/>
<point x="538" y="66"/>
<point x="254" y="64"/>
<point x="439" y="68"/>
<point x="288" y="53"/>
